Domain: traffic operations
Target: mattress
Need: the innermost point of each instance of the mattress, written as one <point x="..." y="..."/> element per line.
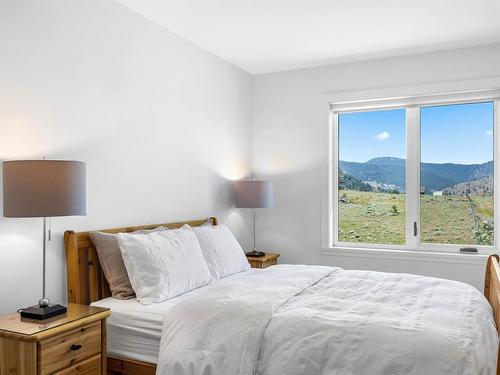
<point x="134" y="330"/>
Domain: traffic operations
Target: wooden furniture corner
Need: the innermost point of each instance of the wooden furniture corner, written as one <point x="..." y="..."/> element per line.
<point x="492" y="292"/>
<point x="270" y="259"/>
<point x="74" y="343"/>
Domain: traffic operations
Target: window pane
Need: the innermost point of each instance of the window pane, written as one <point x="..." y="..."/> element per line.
<point x="372" y="177"/>
<point x="456" y="174"/>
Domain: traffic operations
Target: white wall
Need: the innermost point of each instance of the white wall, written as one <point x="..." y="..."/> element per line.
<point x="289" y="116"/>
<point x="161" y="124"/>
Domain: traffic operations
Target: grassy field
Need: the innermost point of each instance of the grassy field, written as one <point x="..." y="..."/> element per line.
<point x="380" y="218"/>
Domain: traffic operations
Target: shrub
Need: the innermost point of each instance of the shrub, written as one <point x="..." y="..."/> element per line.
<point x="394" y="210"/>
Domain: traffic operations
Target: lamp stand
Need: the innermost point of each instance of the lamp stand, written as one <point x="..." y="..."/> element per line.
<point x="44" y="309"/>
<point x="254" y="245"/>
<point x="254" y="253"/>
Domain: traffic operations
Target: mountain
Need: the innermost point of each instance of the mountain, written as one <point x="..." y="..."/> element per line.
<point x="484" y="186"/>
<point x="388" y="160"/>
<point x="348" y="182"/>
<point x="389" y="172"/>
<point x="434" y="176"/>
<point x="458" y="172"/>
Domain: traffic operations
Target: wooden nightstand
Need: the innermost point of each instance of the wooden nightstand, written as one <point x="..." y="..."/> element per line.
<point x="270" y="259"/>
<point x="74" y="343"/>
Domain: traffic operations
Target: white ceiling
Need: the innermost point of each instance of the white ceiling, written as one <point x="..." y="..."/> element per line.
<point x="263" y="36"/>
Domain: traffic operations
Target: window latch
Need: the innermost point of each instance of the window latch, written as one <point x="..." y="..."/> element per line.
<point x="415" y="228"/>
<point x="468" y="250"/>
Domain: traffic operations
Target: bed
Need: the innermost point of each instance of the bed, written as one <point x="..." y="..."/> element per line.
<point x="135" y="330"/>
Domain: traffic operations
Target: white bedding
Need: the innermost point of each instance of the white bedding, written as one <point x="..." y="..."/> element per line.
<point x="321" y="320"/>
<point x="134" y="329"/>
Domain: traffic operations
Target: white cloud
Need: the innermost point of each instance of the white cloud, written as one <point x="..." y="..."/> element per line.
<point x="488" y="132"/>
<point x="383" y="136"/>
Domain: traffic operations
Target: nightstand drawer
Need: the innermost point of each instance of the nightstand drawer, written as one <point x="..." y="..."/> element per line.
<point x="69" y="348"/>
<point x="91" y="366"/>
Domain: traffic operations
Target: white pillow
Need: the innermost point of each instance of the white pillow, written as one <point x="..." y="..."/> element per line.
<point x="222" y="252"/>
<point x="162" y="265"/>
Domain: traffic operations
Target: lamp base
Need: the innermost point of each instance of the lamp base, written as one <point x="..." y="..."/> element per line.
<point x="255" y="253"/>
<point x="41" y="313"/>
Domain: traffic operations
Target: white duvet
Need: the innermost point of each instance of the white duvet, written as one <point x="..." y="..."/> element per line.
<point x="321" y="320"/>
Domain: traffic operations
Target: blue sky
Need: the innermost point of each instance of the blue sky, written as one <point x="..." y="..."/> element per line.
<point x="461" y="134"/>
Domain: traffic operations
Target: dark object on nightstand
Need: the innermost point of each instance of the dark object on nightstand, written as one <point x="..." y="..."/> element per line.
<point x="42" y="313"/>
<point x="255" y="254"/>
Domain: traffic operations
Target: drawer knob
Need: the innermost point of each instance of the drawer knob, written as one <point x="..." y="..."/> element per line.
<point x="76" y="347"/>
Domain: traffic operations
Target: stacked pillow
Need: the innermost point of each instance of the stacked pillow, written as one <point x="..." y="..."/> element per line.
<point x="110" y="258"/>
<point x="163" y="263"/>
<point x="222" y="252"/>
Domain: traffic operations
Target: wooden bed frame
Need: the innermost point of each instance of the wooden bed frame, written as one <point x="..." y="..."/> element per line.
<point x="86" y="284"/>
<point x="492" y="292"/>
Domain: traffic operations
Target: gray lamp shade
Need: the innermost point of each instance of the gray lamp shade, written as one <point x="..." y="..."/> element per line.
<point x="253" y="194"/>
<point x="43" y="188"/>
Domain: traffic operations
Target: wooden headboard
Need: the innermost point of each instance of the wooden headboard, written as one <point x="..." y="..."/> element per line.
<point x="85" y="280"/>
<point x="492" y="292"/>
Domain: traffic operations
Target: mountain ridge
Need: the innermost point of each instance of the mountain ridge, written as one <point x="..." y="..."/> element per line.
<point x="483" y="187"/>
<point x="434" y="176"/>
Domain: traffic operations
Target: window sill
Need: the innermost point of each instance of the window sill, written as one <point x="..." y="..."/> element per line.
<point x="407" y="255"/>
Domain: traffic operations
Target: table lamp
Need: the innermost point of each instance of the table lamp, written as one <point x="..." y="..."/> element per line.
<point x="253" y="194"/>
<point x="43" y="188"/>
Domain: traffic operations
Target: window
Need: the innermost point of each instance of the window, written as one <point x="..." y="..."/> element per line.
<point x="372" y="177"/>
<point x="456" y="174"/>
<point x="415" y="176"/>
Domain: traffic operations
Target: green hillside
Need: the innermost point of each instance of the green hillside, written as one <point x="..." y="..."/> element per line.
<point x="372" y="217"/>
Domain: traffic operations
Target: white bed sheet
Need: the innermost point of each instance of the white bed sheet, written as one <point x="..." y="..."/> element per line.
<point x="134" y="330"/>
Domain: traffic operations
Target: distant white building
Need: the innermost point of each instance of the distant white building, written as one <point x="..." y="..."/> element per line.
<point x="437" y="193"/>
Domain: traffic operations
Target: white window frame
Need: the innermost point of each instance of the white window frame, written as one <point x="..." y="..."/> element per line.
<point x="412" y="105"/>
